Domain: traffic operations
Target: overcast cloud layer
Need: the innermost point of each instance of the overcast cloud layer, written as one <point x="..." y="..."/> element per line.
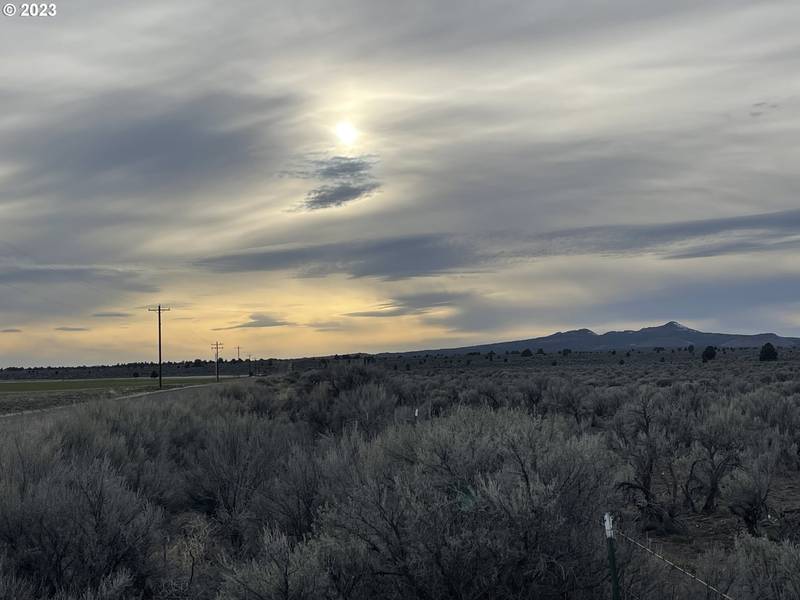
<point x="520" y="168"/>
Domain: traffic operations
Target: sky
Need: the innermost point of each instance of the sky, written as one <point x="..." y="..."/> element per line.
<point x="312" y="177"/>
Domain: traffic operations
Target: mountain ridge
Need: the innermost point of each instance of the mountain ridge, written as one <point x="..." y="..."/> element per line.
<point x="669" y="335"/>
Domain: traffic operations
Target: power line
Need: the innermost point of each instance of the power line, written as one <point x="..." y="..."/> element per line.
<point x="159" y="310"/>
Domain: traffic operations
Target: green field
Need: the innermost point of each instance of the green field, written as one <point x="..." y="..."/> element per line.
<point x="127" y="383"/>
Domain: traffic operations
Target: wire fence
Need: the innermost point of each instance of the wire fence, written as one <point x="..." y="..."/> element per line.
<point x="672" y="565"/>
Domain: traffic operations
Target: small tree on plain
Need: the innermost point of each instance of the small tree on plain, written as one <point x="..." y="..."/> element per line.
<point x="710" y="353"/>
<point x="768" y="352"/>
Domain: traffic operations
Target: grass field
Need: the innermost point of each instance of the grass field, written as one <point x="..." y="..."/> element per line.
<point x="127" y="383"/>
<point x="40" y="394"/>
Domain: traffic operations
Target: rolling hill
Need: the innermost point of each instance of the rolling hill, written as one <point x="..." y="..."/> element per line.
<point x="669" y="335"/>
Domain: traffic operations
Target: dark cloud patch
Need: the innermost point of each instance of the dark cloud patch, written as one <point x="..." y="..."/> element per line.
<point x="257" y="321"/>
<point x="680" y="239"/>
<point x="475" y="313"/>
<point x="390" y="309"/>
<point x="117" y="279"/>
<point x="467" y="311"/>
<point x="11" y="330"/>
<point x="389" y="259"/>
<point x="133" y="143"/>
<point x="111" y="315"/>
<point x="734" y="301"/>
<point x="336" y="167"/>
<point x="71" y="329"/>
<point x="744" y="246"/>
<point x="347" y="179"/>
<point x="32" y="292"/>
<point x="338" y="194"/>
<point x="412" y="304"/>
<point x="428" y="254"/>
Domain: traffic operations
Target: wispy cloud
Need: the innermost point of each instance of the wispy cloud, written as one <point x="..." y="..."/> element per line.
<point x="257" y="320"/>
<point x="138" y="142"/>
<point x="325" y="326"/>
<point x="11" y="330"/>
<point x="111" y="315"/>
<point x="412" y="304"/>
<point x="55" y="274"/>
<point x="388" y="258"/>
<point x="762" y="232"/>
<point x="71" y="329"/>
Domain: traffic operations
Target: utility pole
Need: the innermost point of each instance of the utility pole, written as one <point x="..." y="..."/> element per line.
<point x="216" y="347"/>
<point x="159" y="310"/>
<point x="249" y="364"/>
<point x="237" y="353"/>
<point x="612" y="558"/>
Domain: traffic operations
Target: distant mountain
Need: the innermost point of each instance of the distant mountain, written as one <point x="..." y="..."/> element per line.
<point x="669" y="335"/>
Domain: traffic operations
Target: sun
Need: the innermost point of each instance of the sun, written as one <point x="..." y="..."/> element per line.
<point x="346" y="133"/>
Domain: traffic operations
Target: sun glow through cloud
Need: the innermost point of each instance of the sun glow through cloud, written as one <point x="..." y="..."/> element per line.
<point x="346" y="133"/>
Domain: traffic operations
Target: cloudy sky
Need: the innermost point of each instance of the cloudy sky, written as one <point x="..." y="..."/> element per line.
<point x="320" y="176"/>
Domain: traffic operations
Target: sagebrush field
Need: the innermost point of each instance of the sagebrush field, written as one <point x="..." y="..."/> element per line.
<point x="469" y="477"/>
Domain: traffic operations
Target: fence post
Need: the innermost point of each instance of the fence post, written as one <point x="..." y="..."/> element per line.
<point x="612" y="557"/>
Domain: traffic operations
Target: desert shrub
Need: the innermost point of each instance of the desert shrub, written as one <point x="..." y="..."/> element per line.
<point x="768" y="353"/>
<point x="117" y="586"/>
<point x="567" y="397"/>
<point x="72" y="526"/>
<point x="13" y="587"/>
<point x="531" y="393"/>
<point x="766" y="569"/>
<point x="191" y="558"/>
<point x="369" y="406"/>
<point x="717" y="568"/>
<point x="282" y="570"/>
<point x="480" y="503"/>
<point x="748" y="490"/>
<point x="294" y="493"/>
<point x="642" y="445"/>
<point x="716" y="452"/>
<point x="226" y="476"/>
<point x="494" y="489"/>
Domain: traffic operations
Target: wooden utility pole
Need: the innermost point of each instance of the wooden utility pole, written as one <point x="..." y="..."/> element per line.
<point x="159" y="310"/>
<point x="216" y="347"/>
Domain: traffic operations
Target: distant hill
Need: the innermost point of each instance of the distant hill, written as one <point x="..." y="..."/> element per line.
<point x="669" y="335"/>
